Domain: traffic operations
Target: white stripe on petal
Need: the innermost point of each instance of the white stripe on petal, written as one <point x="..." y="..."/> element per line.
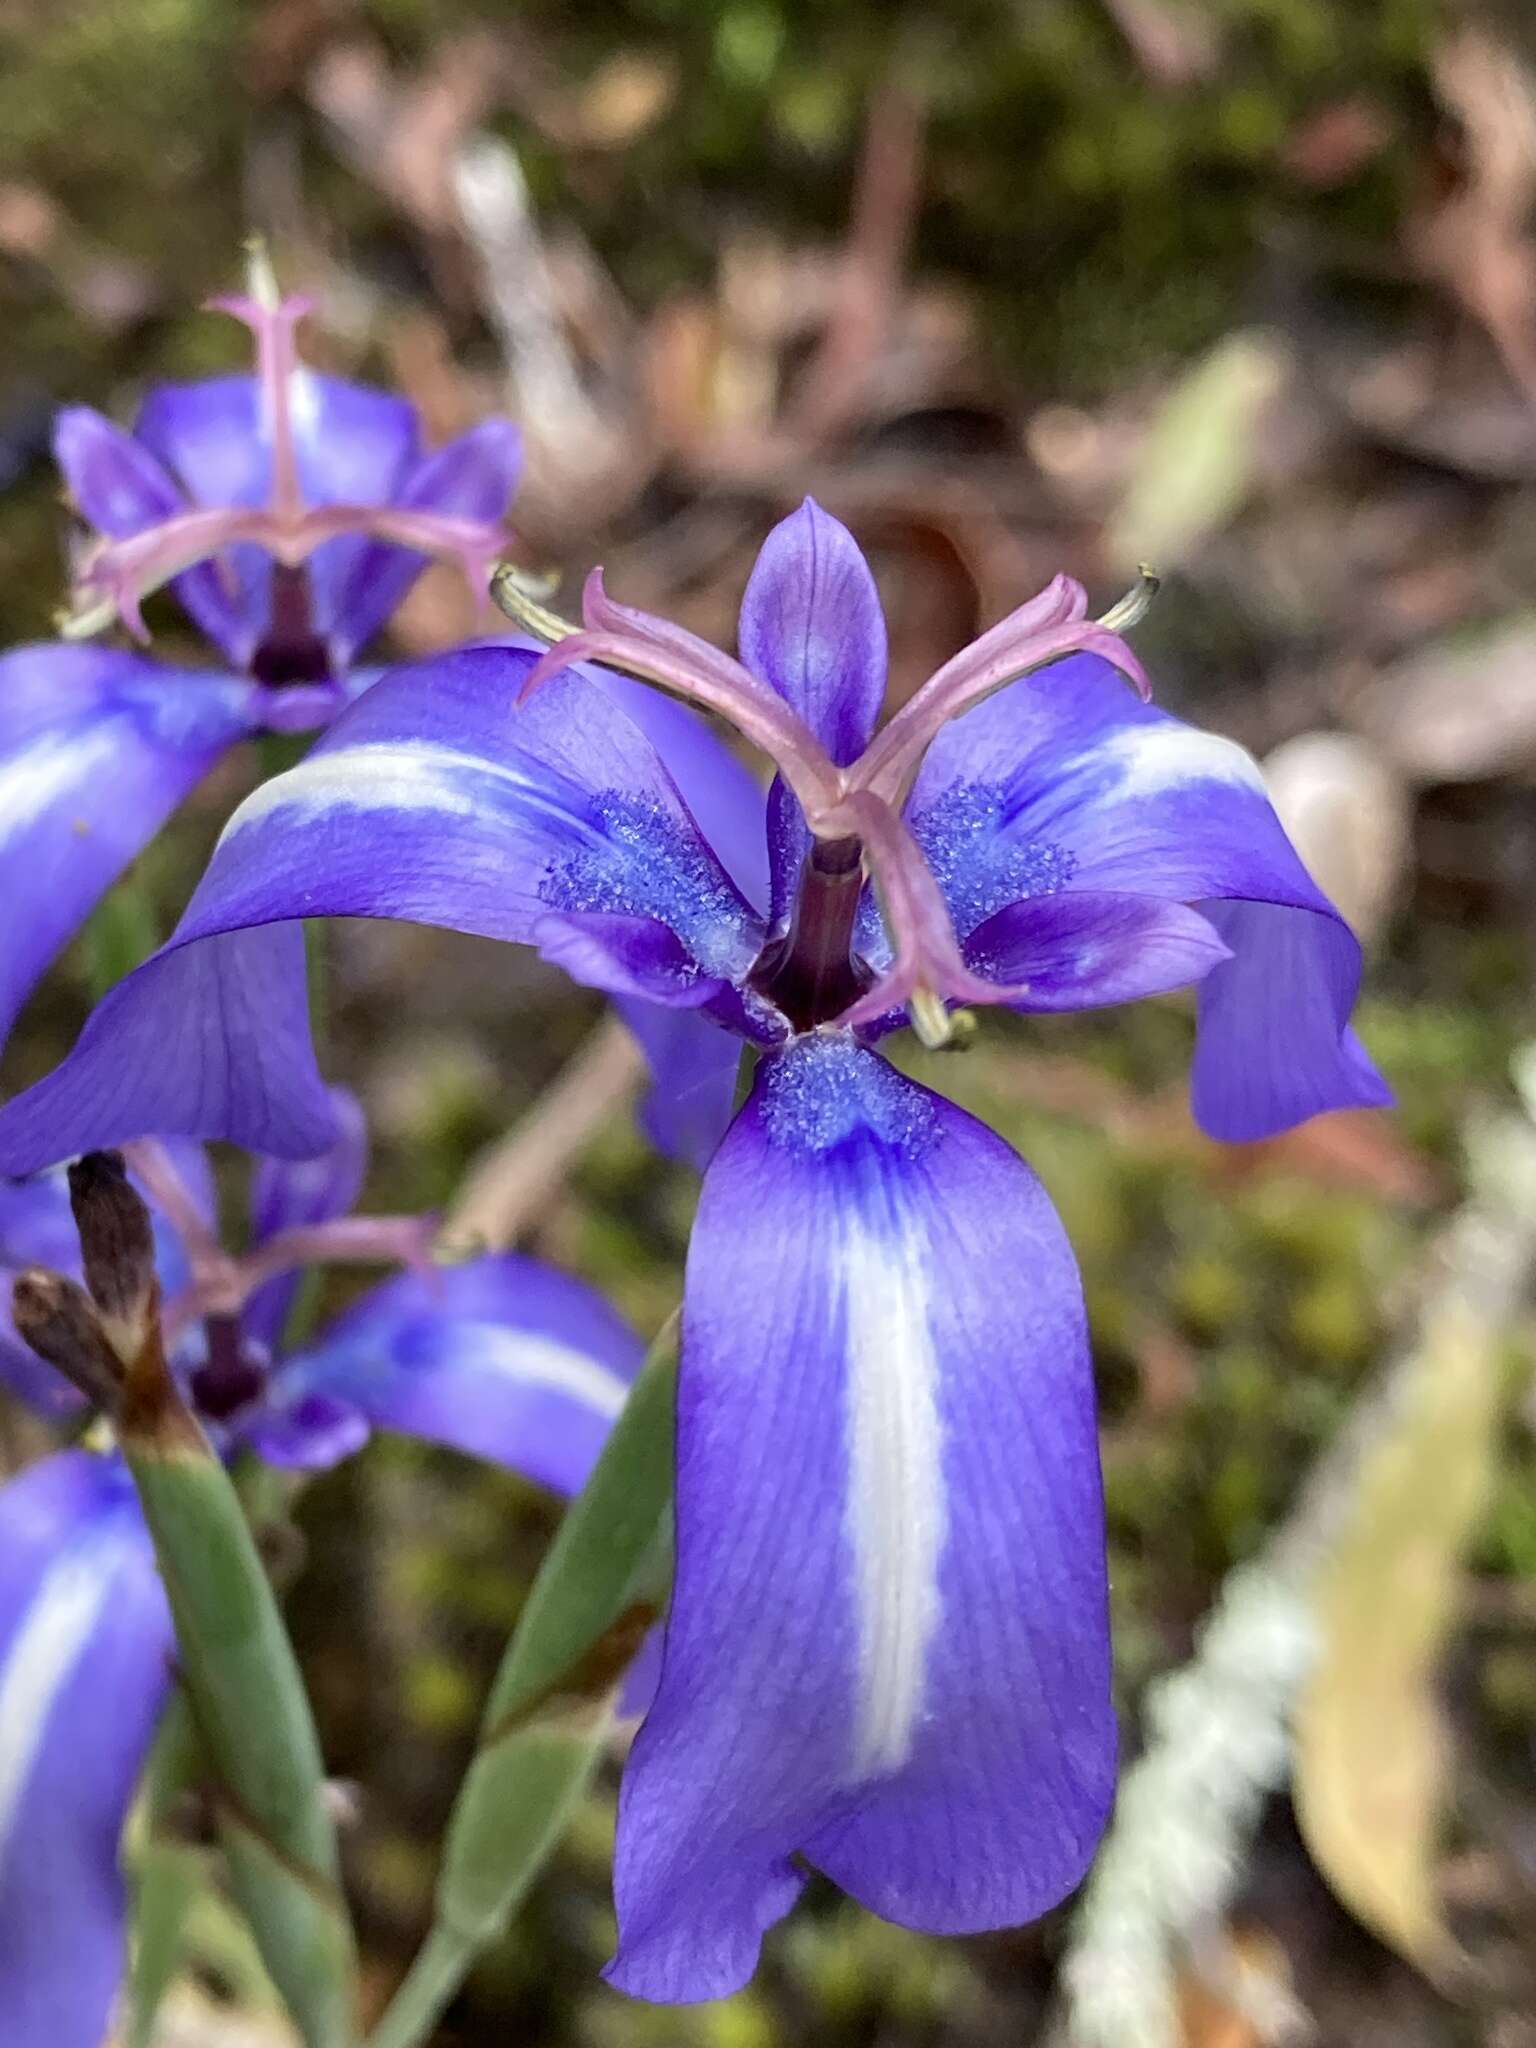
<point x="897" y="1514"/>
<point x="40" y="1663"/>
<point x="402" y="775"/>
<point x="32" y="781"/>
<point x="536" y="1361"/>
<point x="1154" y="758"/>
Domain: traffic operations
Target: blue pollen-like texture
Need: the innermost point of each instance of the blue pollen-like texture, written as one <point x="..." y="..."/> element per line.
<point x="645" y="864"/>
<point x="825" y="1088"/>
<point x="978" y="864"/>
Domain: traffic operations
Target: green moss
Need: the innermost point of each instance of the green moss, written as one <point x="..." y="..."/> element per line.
<point x="440" y="1697"/>
<point x="1208" y="1291"/>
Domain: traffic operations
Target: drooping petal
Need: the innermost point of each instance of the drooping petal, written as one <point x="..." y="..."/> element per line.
<point x="1066" y="782"/>
<point x="628" y="956"/>
<point x="887" y="1649"/>
<point x="1081" y="950"/>
<point x="205" y="1040"/>
<point x="432" y="800"/>
<point x="287" y="1193"/>
<point x="723" y="796"/>
<point x="85" y="1665"/>
<point x="358" y="583"/>
<point x="503" y="1358"/>
<point x="693" y="1060"/>
<point x="694" y="1063"/>
<point x="1274" y="1044"/>
<point x="82" y="793"/>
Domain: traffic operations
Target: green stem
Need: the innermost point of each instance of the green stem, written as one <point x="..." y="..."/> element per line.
<point x="602" y="1585"/>
<point x="425" y="1992"/>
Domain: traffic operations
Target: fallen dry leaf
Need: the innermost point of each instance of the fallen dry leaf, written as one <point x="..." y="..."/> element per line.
<point x="1460" y="710"/>
<point x="1371" y="1751"/>
<point x="1346" y="809"/>
<point x="1202" y="454"/>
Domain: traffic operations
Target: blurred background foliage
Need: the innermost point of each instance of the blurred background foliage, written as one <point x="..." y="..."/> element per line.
<point x="1243" y="286"/>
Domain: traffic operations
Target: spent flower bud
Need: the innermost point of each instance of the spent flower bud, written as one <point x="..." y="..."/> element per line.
<point x="117" y="1245"/>
<point x="59" y="1321"/>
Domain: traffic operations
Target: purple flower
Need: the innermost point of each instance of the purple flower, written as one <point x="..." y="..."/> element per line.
<point x="291" y="513"/>
<point x="502" y="1358"/>
<point x="887" y="1651"/>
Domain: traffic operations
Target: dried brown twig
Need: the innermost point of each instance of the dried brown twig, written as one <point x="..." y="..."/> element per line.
<point x="513" y="1180"/>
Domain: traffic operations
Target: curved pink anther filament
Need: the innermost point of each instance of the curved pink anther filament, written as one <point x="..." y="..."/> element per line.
<point x="1048" y="627"/>
<point x="927" y="958"/>
<point x="118" y="575"/>
<point x="700" y="674"/>
<point x="277" y="361"/>
<point x="223" y="1284"/>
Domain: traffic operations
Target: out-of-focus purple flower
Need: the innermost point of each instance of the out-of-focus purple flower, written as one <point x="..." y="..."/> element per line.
<point x="290" y="512"/>
<point x="887" y="1650"/>
<point x="503" y="1358"/>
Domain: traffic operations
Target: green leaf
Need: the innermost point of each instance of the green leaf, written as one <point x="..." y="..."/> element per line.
<point x="120" y="932"/>
<point x="167" y="1874"/>
<point x="250" y="1713"/>
<point x="601" y="1588"/>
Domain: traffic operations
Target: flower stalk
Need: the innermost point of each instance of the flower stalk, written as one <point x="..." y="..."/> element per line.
<point x="600" y="1589"/>
<point x="242" y="1683"/>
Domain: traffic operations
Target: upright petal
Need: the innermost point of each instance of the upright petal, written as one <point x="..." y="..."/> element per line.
<point x="812" y="626"/>
<point x="503" y="1358"/>
<point x="121" y="486"/>
<point x="432" y="800"/>
<point x="81" y="794"/>
<point x="1065" y="782"/>
<point x="289" y="1192"/>
<point x="887" y="1648"/>
<point x="359" y="583"/>
<point x="353" y="445"/>
<point x="85" y="1664"/>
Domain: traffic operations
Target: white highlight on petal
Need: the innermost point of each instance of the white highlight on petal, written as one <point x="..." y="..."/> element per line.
<point x="46" y="771"/>
<point x="537" y="1361"/>
<point x="399" y="775"/>
<point x="42" y="1659"/>
<point x="897" y="1513"/>
<point x="1154" y="758"/>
